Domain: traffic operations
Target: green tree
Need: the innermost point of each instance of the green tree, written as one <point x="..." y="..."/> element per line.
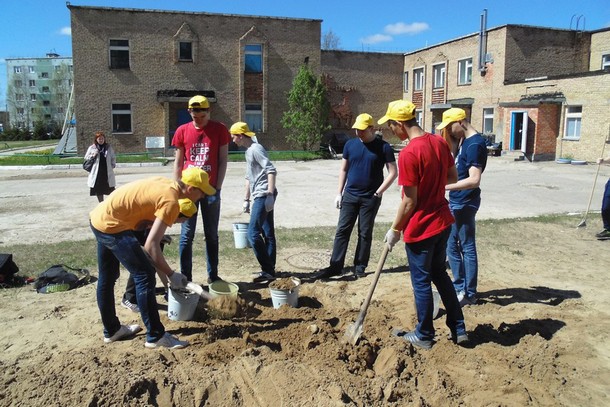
<point x="307" y="116"/>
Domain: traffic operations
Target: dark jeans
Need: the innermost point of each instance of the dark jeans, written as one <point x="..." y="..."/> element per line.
<point x="261" y="235"/>
<point x="462" y="251"/>
<point x="365" y="210"/>
<point x="427" y="265"/>
<point x="209" y="209"/>
<point x="130" y="289"/>
<point x="606" y="207"/>
<point x="124" y="248"/>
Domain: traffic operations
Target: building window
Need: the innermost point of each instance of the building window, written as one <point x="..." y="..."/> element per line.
<point x="17" y="69"/>
<point x="185" y="51"/>
<point x="572" y="125"/>
<point x="32" y="83"/>
<point x="254" y="58"/>
<point x="47" y="117"/>
<point x="488" y="121"/>
<point x="419" y="116"/>
<point x="418" y="79"/>
<point x="46" y="103"/>
<point x="606" y="61"/>
<point x="18" y="83"/>
<point x="19" y="97"/>
<point x="121" y="118"/>
<point x="33" y="97"/>
<point x="465" y="71"/>
<point x="20" y="110"/>
<point x="45" y="75"/>
<point x="119" y="54"/>
<point x="45" y="89"/>
<point x="438" y="73"/>
<point x="254" y="116"/>
<point x="31" y="69"/>
<point x="406" y="82"/>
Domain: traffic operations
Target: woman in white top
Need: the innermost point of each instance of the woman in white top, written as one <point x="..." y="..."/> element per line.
<point x="101" y="178"/>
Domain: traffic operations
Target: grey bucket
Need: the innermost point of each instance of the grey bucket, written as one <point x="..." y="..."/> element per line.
<point x="240" y="235"/>
<point x="181" y="305"/>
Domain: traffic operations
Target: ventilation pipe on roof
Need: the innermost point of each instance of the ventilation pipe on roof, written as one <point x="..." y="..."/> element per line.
<point x="483" y="43"/>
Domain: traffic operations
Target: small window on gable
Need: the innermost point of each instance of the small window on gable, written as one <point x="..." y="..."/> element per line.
<point x="119" y="54"/>
<point x="121" y="118"/>
<point x="254" y="58"/>
<point x="185" y="51"/>
<point x="418" y="79"/>
<point x="606" y="61"/>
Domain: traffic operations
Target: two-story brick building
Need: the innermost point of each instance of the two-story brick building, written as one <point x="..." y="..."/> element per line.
<point x="544" y="93"/>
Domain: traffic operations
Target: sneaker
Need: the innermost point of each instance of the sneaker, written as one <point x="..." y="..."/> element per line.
<point x="326" y="273"/>
<point x="212" y="279"/>
<point x="167" y="341"/>
<point x="603" y="235"/>
<point x="461" y="339"/>
<point x="468" y="301"/>
<point x="263" y="277"/>
<point x="412" y="338"/>
<point x="125" y="331"/>
<point x="130" y="306"/>
<point x="359" y="272"/>
<point x="460" y="296"/>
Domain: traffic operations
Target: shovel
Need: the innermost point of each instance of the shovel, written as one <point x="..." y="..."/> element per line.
<point x="352" y="334"/>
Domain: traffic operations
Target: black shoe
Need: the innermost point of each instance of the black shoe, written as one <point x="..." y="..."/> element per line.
<point x="212" y="279"/>
<point x="359" y="272"/>
<point x="326" y="273"/>
<point x="603" y="235"/>
<point x="263" y="277"/>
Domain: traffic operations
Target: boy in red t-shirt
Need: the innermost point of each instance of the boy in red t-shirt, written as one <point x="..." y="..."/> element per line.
<point x="202" y="143"/>
<point x="425" y="166"/>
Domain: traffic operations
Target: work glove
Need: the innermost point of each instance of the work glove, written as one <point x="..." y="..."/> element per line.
<point x="246" y="206"/>
<point x="391" y="238"/>
<point x="178" y="280"/>
<point x="338" y="201"/>
<point x="212" y="199"/>
<point x="269" y="202"/>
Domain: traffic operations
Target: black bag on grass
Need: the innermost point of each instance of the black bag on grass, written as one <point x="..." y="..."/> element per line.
<point x="8" y="269"/>
<point x="57" y="278"/>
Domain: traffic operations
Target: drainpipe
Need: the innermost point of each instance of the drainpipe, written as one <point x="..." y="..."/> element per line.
<point x="483" y="42"/>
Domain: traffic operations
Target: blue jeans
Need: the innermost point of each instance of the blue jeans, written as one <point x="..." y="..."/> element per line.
<point x="209" y="209"/>
<point x="606" y="207"/>
<point x="427" y="265"/>
<point x="462" y="251"/>
<point x="365" y="210"/>
<point x="124" y="248"/>
<point x="261" y="235"/>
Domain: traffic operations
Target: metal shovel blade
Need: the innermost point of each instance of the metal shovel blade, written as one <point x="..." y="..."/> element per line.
<point x="352" y="334"/>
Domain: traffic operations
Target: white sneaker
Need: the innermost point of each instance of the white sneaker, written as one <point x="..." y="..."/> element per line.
<point x="130" y="306"/>
<point x="167" y="341"/>
<point x="124" y="331"/>
<point x="460" y="296"/>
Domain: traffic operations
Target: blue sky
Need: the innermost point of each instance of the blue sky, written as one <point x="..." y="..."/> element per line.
<point x="32" y="28"/>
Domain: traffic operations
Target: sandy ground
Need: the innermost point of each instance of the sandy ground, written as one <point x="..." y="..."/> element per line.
<point x="539" y="334"/>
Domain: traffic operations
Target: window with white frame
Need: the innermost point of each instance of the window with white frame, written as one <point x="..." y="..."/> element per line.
<point x="16" y="69"/>
<point x="606" y="61"/>
<point x="33" y="97"/>
<point x="185" y="51"/>
<point x="19" y="97"/>
<point x="44" y="75"/>
<point x="572" y="122"/>
<point x="32" y="83"/>
<point x="119" y="54"/>
<point x="465" y="71"/>
<point x="45" y="89"/>
<point x="419" y="116"/>
<point x="254" y="58"/>
<point x="20" y="110"/>
<point x="418" y="79"/>
<point x="18" y="83"/>
<point x="254" y="116"/>
<point x="121" y="118"/>
<point x="406" y="82"/>
<point x="31" y="69"/>
<point x="488" y="120"/>
<point x="438" y="74"/>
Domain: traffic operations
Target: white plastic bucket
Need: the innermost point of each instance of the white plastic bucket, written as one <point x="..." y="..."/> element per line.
<point x="181" y="305"/>
<point x="240" y="235"/>
<point x="436" y="300"/>
<point x="221" y="287"/>
<point x="286" y="297"/>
